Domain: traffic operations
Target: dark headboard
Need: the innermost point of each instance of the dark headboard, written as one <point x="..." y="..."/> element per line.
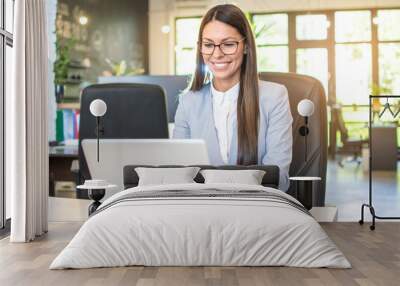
<point x="270" y="179"/>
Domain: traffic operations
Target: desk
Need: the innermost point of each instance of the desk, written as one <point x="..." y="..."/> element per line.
<point x="384" y="148"/>
<point x="60" y="161"/>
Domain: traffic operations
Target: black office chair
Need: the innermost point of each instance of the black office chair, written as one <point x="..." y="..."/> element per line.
<point x="172" y="84"/>
<point x="134" y="111"/>
<point x="350" y="146"/>
<point x="300" y="87"/>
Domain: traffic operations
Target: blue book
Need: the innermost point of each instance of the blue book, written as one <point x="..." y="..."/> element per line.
<point x="68" y="124"/>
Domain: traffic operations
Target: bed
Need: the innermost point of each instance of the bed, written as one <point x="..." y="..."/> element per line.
<point x="198" y="224"/>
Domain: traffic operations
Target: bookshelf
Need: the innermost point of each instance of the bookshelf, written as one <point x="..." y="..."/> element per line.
<point x="68" y="108"/>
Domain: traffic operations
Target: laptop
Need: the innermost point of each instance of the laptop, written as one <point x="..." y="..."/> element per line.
<point x="115" y="154"/>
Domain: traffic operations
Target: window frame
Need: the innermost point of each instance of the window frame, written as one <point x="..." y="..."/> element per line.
<point x="6" y="39"/>
<point x="274" y="45"/>
<point x="329" y="43"/>
<point x="176" y="39"/>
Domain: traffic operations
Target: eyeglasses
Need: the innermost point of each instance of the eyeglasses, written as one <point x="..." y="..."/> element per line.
<point x="227" y="48"/>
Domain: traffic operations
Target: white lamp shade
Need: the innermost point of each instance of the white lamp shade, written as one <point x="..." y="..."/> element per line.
<point x="98" y="107"/>
<point x="305" y="107"/>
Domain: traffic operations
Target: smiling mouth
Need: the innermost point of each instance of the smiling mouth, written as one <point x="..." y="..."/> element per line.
<point x="221" y="65"/>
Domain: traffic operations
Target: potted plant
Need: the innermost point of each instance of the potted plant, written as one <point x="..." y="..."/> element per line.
<point x="61" y="64"/>
<point x="121" y="69"/>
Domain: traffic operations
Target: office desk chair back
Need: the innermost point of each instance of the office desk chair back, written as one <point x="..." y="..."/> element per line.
<point x="305" y="87"/>
<point x="173" y="85"/>
<point x="134" y="111"/>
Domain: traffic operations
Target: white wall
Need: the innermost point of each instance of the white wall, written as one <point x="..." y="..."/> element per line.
<point x="163" y="12"/>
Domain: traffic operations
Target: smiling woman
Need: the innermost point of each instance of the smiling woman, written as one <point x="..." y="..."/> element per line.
<point x="243" y="120"/>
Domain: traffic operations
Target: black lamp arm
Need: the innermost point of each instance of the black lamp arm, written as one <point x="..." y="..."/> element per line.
<point x="98" y="136"/>
<point x="304" y="131"/>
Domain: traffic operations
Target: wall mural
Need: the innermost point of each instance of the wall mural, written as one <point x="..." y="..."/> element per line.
<point x="106" y="38"/>
<point x="95" y="38"/>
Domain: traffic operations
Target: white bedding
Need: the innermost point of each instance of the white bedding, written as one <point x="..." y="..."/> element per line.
<point x="200" y="231"/>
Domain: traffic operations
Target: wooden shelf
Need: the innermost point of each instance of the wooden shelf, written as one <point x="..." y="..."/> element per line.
<point x="77" y="66"/>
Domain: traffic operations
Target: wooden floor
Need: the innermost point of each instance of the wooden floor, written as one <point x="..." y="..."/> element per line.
<point x="347" y="189"/>
<point x="375" y="257"/>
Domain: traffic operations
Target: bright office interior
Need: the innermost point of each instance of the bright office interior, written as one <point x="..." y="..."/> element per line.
<point x="350" y="48"/>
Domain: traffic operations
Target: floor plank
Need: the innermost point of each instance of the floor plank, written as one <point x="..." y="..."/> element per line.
<point x="375" y="257"/>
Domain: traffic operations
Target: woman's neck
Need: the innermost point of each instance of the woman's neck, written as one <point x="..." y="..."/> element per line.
<point x="224" y="85"/>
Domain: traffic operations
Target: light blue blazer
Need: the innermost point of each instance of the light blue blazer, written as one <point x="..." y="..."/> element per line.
<point x="194" y="119"/>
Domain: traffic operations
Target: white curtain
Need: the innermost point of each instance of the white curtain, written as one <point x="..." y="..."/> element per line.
<point x="27" y="145"/>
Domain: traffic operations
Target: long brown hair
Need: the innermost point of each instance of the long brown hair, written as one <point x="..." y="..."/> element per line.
<point x="248" y="101"/>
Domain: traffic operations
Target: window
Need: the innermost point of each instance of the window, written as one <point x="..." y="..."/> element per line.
<point x="353" y="56"/>
<point x="352" y="26"/>
<point x="271" y="32"/>
<point x="388" y="22"/>
<point x="9" y="12"/>
<point x="186" y="30"/>
<point x="351" y="52"/>
<point x="311" y="27"/>
<point x="353" y="73"/>
<point x="272" y="38"/>
<point x="389" y="67"/>
<point x="6" y="43"/>
<point x="311" y="46"/>
<point x="313" y="62"/>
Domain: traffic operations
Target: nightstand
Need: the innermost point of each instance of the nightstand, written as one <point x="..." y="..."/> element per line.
<point x="304" y="190"/>
<point x="96" y="191"/>
<point x="96" y="195"/>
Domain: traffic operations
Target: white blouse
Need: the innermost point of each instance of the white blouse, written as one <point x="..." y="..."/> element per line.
<point x="224" y="111"/>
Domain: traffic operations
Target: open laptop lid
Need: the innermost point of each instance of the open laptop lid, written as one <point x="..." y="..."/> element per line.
<point x="117" y="153"/>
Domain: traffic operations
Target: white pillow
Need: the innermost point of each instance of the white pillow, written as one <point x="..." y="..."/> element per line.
<point x="163" y="176"/>
<point x="248" y="177"/>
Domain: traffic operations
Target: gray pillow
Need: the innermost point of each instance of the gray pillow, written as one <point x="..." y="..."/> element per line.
<point x="249" y="177"/>
<point x="163" y="176"/>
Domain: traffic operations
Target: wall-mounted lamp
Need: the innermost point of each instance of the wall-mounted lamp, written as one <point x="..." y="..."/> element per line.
<point x="98" y="108"/>
<point x="305" y="108"/>
<point x="83" y="20"/>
